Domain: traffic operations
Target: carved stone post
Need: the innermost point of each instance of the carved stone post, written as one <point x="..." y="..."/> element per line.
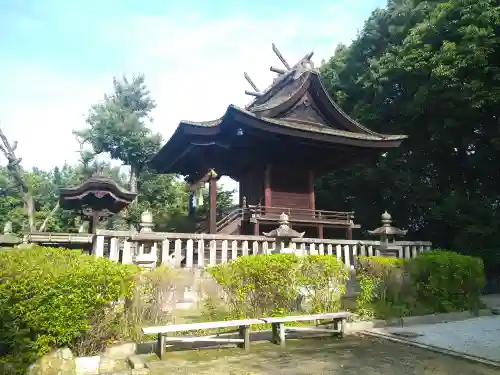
<point x="212" y="210"/>
<point x="147" y="252"/>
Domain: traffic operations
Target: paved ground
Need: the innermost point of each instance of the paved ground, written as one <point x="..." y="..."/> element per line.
<point x="491" y="300"/>
<point x="478" y="337"/>
<point x="351" y="356"/>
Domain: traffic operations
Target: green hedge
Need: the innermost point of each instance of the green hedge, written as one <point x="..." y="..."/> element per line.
<point x="447" y="281"/>
<point x="270" y="285"/>
<point x="433" y="282"/>
<point x="48" y="297"/>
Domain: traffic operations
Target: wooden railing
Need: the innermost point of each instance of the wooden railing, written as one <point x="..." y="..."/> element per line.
<point x="199" y="250"/>
<point x="225" y="221"/>
<point x="272" y="212"/>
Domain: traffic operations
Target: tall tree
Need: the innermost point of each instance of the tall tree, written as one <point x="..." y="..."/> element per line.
<point x="117" y="125"/>
<point x="428" y="69"/>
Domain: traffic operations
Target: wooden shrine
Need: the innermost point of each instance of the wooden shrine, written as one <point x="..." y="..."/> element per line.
<point x="290" y="134"/>
<point x="96" y="198"/>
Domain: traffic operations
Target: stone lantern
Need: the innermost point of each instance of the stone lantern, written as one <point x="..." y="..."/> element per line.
<point x="387" y="234"/>
<point x="283" y="235"/>
<point x="9" y="239"/>
<point x="147" y="246"/>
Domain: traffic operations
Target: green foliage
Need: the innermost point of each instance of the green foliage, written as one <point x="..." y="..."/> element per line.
<point x="269" y="285"/>
<point x="150" y="295"/>
<point x="446" y="281"/>
<point x="117" y="124"/>
<point x="384" y="288"/>
<point x="433" y="282"/>
<point x="324" y="278"/>
<point x="48" y="297"/>
<point x="426" y="69"/>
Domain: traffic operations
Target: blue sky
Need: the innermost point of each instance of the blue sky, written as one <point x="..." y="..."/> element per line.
<point x="59" y="57"/>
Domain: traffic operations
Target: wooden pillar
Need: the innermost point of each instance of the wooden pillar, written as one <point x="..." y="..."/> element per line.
<point x="349" y="233"/>
<point x="191" y="210"/>
<point x="267" y="186"/>
<point x="320" y="231"/>
<point x="256" y="229"/>
<point x="312" y="197"/>
<point x="93" y="222"/>
<point x="212" y="210"/>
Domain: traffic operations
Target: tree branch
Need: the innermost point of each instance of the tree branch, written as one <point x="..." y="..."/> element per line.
<point x="49" y="216"/>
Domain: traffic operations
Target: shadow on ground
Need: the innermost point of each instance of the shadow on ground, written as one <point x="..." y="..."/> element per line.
<point x="353" y="355"/>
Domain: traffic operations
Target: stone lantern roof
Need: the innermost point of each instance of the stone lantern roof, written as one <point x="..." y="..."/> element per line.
<point x="387" y="228"/>
<point x="283" y="232"/>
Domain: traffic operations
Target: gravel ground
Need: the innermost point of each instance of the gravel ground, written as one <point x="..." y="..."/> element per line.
<point x="351" y="356"/>
<point x="479" y="337"/>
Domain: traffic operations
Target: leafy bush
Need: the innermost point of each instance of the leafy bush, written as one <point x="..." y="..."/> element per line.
<point x="324" y="278"/>
<point x="153" y="293"/>
<point x="446" y="281"/>
<point x="49" y="297"/>
<point x="270" y="285"/>
<point x="435" y="281"/>
<point x="383" y="286"/>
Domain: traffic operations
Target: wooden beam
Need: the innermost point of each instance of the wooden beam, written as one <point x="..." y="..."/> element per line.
<point x="253" y="93"/>
<point x="277" y="70"/>
<point x="280" y="56"/>
<point x="249" y="80"/>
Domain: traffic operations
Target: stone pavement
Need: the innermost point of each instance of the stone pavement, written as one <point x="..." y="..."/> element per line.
<point x="479" y="337"/>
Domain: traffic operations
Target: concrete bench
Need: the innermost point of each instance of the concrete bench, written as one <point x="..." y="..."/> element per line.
<point x="279" y="328"/>
<point x="163" y="331"/>
<point x="277" y="323"/>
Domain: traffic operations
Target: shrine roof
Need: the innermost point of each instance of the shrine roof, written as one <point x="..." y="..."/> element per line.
<point x="97" y="192"/>
<point x="296" y="105"/>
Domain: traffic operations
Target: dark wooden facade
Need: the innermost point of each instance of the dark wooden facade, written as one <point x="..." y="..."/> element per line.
<point x="289" y="135"/>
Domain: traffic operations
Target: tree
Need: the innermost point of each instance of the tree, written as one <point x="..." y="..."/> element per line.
<point x="427" y="69"/>
<point x="17" y="173"/>
<point x="117" y="126"/>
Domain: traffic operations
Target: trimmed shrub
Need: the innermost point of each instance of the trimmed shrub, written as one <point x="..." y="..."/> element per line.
<point x="446" y="281"/>
<point x="433" y="282"/>
<point x="272" y="284"/>
<point x="49" y="298"/>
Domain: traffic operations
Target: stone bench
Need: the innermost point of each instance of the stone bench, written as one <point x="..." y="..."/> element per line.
<point x="279" y="328"/>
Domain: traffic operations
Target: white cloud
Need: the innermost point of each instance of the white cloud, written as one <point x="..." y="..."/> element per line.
<point x="193" y="68"/>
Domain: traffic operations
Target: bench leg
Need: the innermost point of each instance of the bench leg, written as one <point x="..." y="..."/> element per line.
<point x="161" y="344"/>
<point x="282" y="334"/>
<point x="339" y="326"/>
<point x="342" y="328"/>
<point x="275" y="338"/>
<point x="244" y="333"/>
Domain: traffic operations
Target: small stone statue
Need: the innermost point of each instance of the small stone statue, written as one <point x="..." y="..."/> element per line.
<point x="7" y="228"/>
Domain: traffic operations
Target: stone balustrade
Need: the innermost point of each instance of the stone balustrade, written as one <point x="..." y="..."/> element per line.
<point x="189" y="250"/>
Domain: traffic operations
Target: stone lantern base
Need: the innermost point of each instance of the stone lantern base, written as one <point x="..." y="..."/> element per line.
<point x="392" y="252"/>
